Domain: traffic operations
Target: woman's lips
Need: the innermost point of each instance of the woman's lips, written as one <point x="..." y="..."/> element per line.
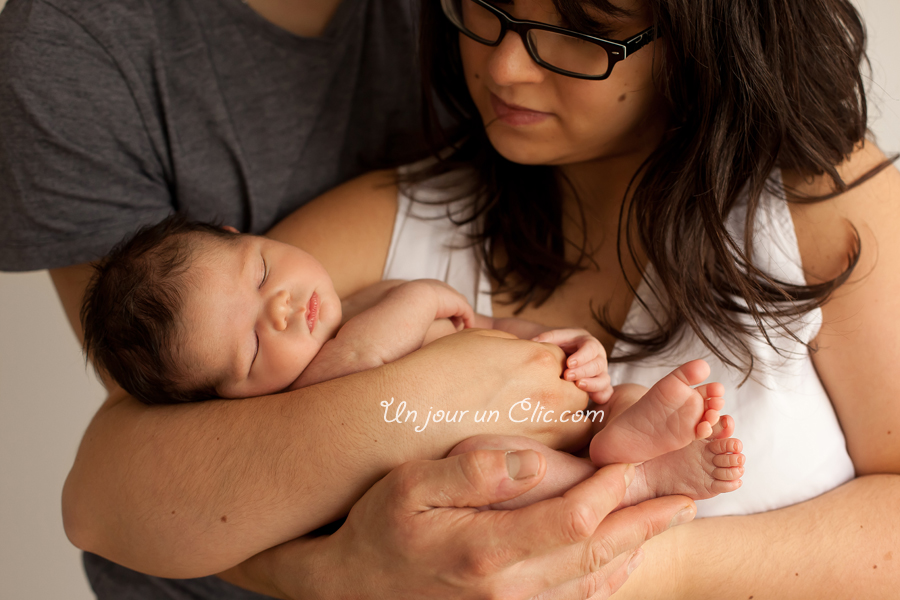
<point x="312" y="312"/>
<point x="516" y="115"/>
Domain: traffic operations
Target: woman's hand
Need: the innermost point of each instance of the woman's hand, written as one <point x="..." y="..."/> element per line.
<point x="531" y="398"/>
<point x="416" y="535"/>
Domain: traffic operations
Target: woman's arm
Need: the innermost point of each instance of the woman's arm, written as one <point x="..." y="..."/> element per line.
<point x="841" y="544"/>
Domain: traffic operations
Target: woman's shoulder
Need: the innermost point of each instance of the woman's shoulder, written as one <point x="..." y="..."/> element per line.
<point x="827" y="230"/>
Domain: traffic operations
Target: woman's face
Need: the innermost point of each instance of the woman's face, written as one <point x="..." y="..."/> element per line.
<point x="535" y="116"/>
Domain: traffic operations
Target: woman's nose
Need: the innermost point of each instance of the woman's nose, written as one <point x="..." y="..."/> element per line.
<point x="510" y="62"/>
<point x="279" y="309"/>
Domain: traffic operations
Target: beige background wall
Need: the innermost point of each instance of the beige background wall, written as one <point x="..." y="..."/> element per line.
<point x="47" y="397"/>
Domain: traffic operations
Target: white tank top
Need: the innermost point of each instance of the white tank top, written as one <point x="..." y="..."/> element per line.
<point x="792" y="439"/>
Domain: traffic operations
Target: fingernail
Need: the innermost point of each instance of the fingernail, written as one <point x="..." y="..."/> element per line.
<point x="573" y="363"/>
<point x="570" y="376"/>
<point x="636" y="559"/>
<point x="629" y="474"/>
<point x="522" y="464"/>
<point x="684" y="516"/>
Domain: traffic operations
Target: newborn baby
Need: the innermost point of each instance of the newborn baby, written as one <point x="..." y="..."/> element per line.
<point x="187" y="311"/>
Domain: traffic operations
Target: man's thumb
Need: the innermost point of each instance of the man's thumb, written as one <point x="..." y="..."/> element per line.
<point x="475" y="478"/>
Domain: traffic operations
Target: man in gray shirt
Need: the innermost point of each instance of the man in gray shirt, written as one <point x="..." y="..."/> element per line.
<point x="114" y="114"/>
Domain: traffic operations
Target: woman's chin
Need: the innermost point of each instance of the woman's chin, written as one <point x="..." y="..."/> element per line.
<point x="523" y="152"/>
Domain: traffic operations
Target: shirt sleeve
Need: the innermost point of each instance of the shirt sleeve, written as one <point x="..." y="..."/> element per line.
<point x="82" y="154"/>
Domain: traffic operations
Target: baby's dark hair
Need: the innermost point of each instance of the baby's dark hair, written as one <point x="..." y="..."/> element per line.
<point x="131" y="307"/>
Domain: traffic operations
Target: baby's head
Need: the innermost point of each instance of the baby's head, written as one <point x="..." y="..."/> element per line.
<point x="188" y="311"/>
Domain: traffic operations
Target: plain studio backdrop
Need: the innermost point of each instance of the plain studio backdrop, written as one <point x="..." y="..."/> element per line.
<point x="47" y="396"/>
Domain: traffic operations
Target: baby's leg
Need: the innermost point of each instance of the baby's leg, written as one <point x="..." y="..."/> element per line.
<point x="668" y="417"/>
<point x="702" y="469"/>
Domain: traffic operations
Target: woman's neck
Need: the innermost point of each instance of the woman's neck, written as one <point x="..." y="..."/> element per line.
<point x="599" y="188"/>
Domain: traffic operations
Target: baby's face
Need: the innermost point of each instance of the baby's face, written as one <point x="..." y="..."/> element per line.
<point x="256" y="312"/>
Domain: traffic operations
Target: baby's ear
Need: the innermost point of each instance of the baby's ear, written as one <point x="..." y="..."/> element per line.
<point x="230" y="228"/>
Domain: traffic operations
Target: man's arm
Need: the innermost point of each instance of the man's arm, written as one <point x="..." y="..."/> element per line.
<point x="192" y="489"/>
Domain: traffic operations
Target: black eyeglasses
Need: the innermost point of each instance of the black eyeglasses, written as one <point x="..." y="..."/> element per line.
<point x="557" y="49"/>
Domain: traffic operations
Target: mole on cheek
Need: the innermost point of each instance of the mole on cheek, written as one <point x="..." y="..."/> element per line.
<point x="622" y="97"/>
<point x="477" y="76"/>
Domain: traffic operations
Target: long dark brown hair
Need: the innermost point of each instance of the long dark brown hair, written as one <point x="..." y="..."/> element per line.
<point x="751" y="86"/>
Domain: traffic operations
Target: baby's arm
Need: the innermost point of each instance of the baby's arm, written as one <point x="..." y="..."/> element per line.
<point x="395" y="326"/>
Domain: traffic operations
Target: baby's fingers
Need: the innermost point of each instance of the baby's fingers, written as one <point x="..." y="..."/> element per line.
<point x="567" y="339"/>
<point x="601" y="397"/>
<point x="585" y="370"/>
<point x="593" y="385"/>
<point x="589" y="350"/>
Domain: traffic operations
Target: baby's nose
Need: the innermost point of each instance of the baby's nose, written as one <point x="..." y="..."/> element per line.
<point x="280" y="310"/>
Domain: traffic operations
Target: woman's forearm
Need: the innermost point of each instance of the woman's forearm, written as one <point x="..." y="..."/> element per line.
<point x="838" y="545"/>
<point x="190" y="490"/>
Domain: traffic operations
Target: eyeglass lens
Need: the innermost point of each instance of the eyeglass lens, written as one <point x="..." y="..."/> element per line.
<point x="558" y="50"/>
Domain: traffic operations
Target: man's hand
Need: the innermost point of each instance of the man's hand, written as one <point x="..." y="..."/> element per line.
<point x="415" y="534"/>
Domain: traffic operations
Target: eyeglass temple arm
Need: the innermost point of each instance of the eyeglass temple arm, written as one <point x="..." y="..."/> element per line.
<point x="639" y="41"/>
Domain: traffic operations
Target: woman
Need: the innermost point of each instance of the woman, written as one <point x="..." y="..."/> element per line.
<point x="700" y="187"/>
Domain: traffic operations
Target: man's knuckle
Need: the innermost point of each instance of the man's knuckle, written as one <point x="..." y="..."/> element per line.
<point x="472" y="464"/>
<point x="476" y="566"/>
<point x="406" y="478"/>
<point x="600" y="552"/>
<point x="581" y="522"/>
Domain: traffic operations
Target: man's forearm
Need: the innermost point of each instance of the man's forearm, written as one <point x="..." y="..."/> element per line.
<point x="188" y="490"/>
<point x="838" y="545"/>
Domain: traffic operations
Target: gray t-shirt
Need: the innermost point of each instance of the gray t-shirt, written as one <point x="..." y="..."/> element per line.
<point x="114" y="113"/>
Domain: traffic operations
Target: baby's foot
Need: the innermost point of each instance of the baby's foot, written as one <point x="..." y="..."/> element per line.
<point x="668" y="417"/>
<point x="702" y="469"/>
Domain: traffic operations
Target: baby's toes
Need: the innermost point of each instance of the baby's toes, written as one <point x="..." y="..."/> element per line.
<point x="727" y="461"/>
<point x="711" y="416"/>
<point x="715" y="402"/>
<point x="723" y="487"/>
<point x="727" y="474"/>
<point x="723" y="428"/>
<point x="725" y="446"/>
<point x="703" y="430"/>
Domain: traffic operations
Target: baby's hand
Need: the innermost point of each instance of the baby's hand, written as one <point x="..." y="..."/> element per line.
<point x="586" y="362"/>
<point x="449" y="304"/>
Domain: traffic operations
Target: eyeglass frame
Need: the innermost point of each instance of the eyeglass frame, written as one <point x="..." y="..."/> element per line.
<point x="616" y="50"/>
